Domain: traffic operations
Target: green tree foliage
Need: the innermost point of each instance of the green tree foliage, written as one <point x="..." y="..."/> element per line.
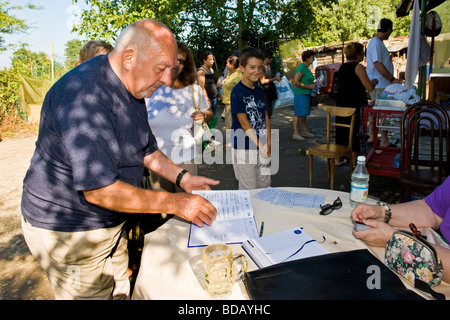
<point x="9" y="93"/>
<point x="9" y="80"/>
<point x="354" y="19"/>
<point x="72" y="53"/>
<point x="31" y="64"/>
<point x="444" y="13"/>
<point x="237" y="23"/>
<point x="10" y="24"/>
<point x="28" y="63"/>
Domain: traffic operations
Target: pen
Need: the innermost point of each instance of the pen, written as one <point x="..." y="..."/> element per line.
<point x="262" y="229"/>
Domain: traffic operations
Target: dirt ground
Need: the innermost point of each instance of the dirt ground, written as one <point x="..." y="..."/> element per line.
<point x="23" y="278"/>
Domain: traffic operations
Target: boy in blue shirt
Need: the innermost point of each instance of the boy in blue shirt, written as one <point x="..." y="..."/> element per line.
<point x="251" y="134"/>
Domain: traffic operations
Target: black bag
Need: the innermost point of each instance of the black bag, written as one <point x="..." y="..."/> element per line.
<point x="270" y="92"/>
<point x="334" y="276"/>
<point x="314" y="102"/>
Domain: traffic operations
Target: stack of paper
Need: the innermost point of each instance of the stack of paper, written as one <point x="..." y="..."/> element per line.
<point x="290" y="199"/>
<point x="234" y="221"/>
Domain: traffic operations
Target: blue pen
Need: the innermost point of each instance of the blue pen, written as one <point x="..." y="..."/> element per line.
<point x="262" y="229"/>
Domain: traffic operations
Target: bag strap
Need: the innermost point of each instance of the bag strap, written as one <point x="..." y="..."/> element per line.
<point x="196" y="106"/>
<point x="418" y="235"/>
<point x="419" y="284"/>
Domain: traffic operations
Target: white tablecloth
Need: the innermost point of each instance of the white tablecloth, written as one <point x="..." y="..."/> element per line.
<point x="170" y="270"/>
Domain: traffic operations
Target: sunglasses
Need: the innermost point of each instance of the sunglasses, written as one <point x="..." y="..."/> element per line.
<point x="329" y="208"/>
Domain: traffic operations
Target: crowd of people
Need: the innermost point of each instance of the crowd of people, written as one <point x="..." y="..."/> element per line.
<point x="135" y="107"/>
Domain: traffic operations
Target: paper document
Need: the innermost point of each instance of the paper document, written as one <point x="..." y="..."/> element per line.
<point x="234" y="221"/>
<point x="290" y="199"/>
<point x="287" y="245"/>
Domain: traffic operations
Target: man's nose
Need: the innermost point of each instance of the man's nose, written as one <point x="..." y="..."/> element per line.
<point x="167" y="77"/>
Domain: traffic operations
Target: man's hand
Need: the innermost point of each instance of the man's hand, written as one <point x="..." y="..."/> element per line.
<point x="191" y="182"/>
<point x="194" y="208"/>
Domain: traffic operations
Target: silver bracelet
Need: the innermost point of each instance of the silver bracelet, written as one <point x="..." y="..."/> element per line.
<point x="387" y="211"/>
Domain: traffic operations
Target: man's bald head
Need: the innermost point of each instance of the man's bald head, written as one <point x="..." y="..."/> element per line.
<point x="143" y="57"/>
<point x="141" y="34"/>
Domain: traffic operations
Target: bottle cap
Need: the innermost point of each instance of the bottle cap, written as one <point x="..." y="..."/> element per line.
<point x="362" y="158"/>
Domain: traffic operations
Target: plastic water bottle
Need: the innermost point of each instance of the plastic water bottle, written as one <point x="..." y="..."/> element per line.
<point x="359" y="189"/>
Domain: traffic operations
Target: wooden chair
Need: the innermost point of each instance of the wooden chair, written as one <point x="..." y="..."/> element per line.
<point x="332" y="151"/>
<point x="424" y="158"/>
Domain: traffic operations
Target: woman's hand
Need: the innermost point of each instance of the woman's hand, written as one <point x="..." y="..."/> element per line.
<point x="371" y="215"/>
<point x="377" y="235"/>
<point x="198" y="116"/>
<point x="367" y="211"/>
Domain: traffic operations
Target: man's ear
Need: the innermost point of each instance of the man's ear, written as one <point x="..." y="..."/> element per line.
<point x="128" y="58"/>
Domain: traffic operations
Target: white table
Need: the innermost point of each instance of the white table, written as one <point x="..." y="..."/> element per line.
<point x="171" y="271"/>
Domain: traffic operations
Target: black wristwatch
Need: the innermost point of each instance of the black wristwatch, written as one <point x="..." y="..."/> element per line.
<point x="180" y="176"/>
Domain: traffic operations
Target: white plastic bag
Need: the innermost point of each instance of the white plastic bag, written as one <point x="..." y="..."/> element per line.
<point x="285" y="93"/>
<point x="201" y="128"/>
<point x="397" y="91"/>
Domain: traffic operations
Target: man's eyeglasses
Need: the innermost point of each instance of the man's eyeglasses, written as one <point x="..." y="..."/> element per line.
<point x="181" y="61"/>
<point x="328" y="208"/>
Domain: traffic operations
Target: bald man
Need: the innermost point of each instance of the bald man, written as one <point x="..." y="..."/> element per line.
<point x="94" y="142"/>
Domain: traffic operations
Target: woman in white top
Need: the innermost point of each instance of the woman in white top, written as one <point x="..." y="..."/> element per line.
<point x="171" y="116"/>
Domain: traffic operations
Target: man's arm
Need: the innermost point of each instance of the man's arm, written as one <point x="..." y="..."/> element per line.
<point x="158" y="162"/>
<point x="385" y="73"/>
<point x="201" y="79"/>
<point x="269" y="135"/>
<point x="251" y="133"/>
<point x="123" y="197"/>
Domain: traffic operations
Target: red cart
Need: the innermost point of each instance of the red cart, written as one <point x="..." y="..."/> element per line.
<point x="380" y="160"/>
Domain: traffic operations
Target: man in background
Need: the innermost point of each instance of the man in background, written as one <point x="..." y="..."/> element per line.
<point x="380" y="67"/>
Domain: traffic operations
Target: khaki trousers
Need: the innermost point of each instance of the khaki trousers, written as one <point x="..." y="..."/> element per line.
<point x="82" y="265"/>
<point x="228" y="116"/>
<point x="251" y="169"/>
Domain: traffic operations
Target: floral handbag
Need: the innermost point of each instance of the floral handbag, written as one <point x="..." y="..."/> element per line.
<point x="412" y="257"/>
